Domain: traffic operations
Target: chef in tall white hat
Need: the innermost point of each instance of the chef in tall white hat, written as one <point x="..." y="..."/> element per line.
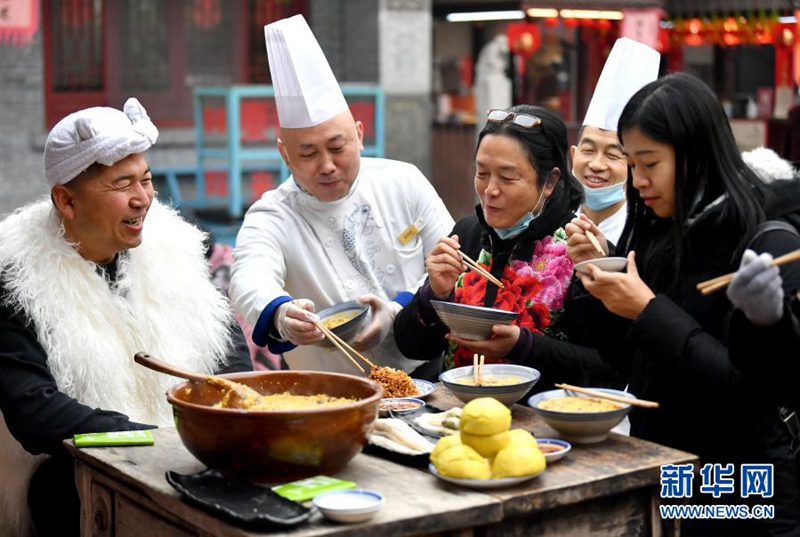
<point x="340" y="228"/>
<point x="597" y="159"/>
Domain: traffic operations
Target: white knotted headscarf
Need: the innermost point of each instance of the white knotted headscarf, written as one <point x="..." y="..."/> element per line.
<point x="99" y="134"/>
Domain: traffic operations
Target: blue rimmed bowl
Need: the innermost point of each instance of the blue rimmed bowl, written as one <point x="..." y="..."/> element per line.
<point x="581" y="427"/>
<point x="471" y="322"/>
<point x="508" y="383"/>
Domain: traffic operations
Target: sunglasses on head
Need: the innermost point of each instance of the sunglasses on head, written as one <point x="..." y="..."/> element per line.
<point x="499" y="115"/>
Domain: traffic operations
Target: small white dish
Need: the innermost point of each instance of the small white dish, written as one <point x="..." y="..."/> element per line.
<point x="424" y="387"/>
<point x="553" y="449"/>
<point x="349" y="506"/>
<point x="608" y="264"/>
<point x="483" y="483"/>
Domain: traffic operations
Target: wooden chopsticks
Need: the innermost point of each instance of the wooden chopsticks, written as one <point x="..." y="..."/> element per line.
<point x="480" y="270"/>
<point x="343" y="346"/>
<point x="595" y="242"/>
<point x="720" y="282"/>
<point x="477" y="369"/>
<point x="611" y="397"/>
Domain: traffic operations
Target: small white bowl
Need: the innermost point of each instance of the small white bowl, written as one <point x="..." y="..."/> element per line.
<point x="552" y="456"/>
<point x="350" y="506"/>
<point x="608" y="264"/>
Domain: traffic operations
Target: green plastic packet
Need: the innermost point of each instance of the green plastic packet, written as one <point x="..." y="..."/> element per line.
<point x="115" y="438"/>
<point x="305" y="489"/>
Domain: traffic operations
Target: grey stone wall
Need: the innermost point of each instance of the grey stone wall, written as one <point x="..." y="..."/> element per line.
<point x="22" y="131"/>
<point x="349" y="31"/>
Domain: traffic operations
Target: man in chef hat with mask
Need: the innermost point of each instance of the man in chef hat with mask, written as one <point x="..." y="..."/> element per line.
<point x="340" y="228"/>
<point x="598" y="160"/>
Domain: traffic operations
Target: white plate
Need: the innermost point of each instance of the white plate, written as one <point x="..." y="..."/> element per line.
<point x="483" y="483"/>
<point x="425" y="388"/>
<point x="608" y="264"/>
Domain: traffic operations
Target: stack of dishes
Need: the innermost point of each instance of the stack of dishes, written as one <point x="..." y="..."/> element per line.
<point x="471" y="322"/>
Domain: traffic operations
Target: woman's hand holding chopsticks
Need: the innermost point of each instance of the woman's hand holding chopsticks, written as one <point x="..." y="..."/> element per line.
<point x="721" y="282"/>
<point x="757" y="289"/>
<point x="444" y="266"/>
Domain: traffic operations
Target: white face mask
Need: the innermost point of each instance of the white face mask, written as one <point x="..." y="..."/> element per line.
<point x="600" y="198"/>
<point x="522" y="223"/>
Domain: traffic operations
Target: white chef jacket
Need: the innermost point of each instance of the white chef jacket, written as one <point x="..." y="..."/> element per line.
<point x="291" y="243"/>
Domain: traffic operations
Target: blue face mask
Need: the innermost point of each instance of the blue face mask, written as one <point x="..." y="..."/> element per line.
<point x="600" y="198"/>
<point x="522" y="223"/>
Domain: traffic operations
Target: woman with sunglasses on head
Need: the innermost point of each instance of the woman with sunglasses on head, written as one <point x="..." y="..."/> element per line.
<point x="527" y="195"/>
<point x="693" y="207"/>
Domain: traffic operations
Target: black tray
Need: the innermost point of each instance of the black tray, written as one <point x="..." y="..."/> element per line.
<point x="409" y="417"/>
<point x="246" y="504"/>
<point x="416" y="461"/>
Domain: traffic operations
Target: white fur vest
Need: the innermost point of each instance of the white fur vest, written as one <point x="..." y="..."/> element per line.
<point x="163" y="303"/>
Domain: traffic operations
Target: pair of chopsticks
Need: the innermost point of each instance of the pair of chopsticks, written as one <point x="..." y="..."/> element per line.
<point x="346" y="349"/>
<point x="721" y="282"/>
<point x="595" y="242"/>
<point x="611" y="397"/>
<point x="341" y="344"/>
<point x="477" y="369"/>
<point x="480" y="270"/>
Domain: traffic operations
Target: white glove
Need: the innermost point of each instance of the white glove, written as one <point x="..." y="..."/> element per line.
<point x="383" y="314"/>
<point x="295" y="322"/>
<point x="757" y="289"/>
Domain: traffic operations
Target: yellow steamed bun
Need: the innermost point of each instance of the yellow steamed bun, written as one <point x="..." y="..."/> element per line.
<point x="518" y="460"/>
<point x="521" y="436"/>
<point x="485" y="416"/>
<point x="463" y="462"/>
<point x="443" y="444"/>
<point x="486" y="445"/>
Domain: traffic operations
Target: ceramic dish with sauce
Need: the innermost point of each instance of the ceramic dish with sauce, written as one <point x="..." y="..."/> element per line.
<point x="399" y="405"/>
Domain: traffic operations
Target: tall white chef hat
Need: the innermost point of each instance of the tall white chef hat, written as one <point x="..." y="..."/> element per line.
<point x="306" y="92"/>
<point x="630" y="66"/>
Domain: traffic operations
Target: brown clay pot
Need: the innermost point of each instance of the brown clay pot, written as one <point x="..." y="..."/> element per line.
<point x="277" y="446"/>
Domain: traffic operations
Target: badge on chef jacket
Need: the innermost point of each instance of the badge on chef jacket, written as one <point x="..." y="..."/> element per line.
<point x="411" y="231"/>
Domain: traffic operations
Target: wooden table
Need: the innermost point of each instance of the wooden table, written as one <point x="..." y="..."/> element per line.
<point x="605" y="489"/>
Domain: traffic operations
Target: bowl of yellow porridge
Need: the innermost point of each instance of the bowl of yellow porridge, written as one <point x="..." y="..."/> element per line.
<point x="580" y="418"/>
<point x="508" y="383"/>
<point x="344" y="319"/>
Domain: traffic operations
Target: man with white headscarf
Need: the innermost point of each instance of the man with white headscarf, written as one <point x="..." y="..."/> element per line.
<point x="88" y="278"/>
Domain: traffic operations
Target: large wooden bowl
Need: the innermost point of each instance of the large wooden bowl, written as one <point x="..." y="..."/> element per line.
<point x="277" y="446"/>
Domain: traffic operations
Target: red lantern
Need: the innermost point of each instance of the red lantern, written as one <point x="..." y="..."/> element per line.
<point x="570" y="23"/>
<point x="551" y="22"/>
<point x="523" y="38"/>
<point x="694" y="34"/>
<point x="664" y="40"/>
